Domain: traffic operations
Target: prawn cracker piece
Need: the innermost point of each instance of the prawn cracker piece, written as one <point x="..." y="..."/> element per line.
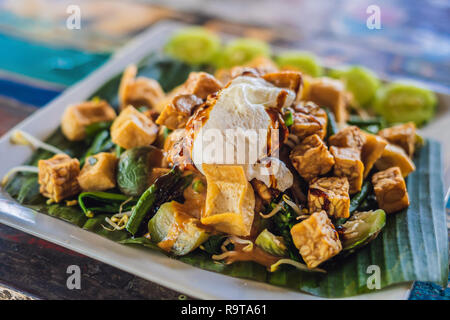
<point x="348" y="164"/>
<point x="58" y="177"/>
<point x="330" y="194"/>
<point x="77" y="117"/>
<point x="133" y="129"/>
<point x="311" y="158"/>
<point x="230" y="200"/>
<point x="98" y="172"/>
<point x="390" y="190"/>
<point x="316" y="239"/>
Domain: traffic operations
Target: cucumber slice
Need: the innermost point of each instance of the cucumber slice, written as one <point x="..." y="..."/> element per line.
<point x="301" y="61"/>
<point x="403" y="102"/>
<point x="242" y="51"/>
<point x="361" y="228"/>
<point x="187" y="235"/>
<point x="361" y="82"/>
<point x="194" y="45"/>
<point x="271" y="244"/>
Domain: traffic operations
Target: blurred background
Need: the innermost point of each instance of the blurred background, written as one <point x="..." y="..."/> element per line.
<point x="40" y="57"/>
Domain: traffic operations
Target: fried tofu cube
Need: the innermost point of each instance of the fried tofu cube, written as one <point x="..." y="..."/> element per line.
<point x="230" y="200"/>
<point x="394" y="156"/>
<point x="201" y="84"/>
<point x="98" y="172"/>
<point x="371" y="151"/>
<point x="139" y="91"/>
<point x="316" y="239"/>
<point x="176" y="114"/>
<point x="348" y="164"/>
<point x="390" y="190"/>
<point x="58" y="177"/>
<point x="133" y="129"/>
<point x="402" y="135"/>
<point x="330" y="194"/>
<point x="329" y="93"/>
<point x="309" y="119"/>
<point x="311" y="158"/>
<point x="77" y="117"/>
<point x="349" y="137"/>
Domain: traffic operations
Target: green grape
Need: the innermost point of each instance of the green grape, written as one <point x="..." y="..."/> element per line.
<point x="403" y="102"/>
<point x="361" y="82"/>
<point x="193" y="45"/>
<point x="241" y="51"/>
<point x="302" y="61"/>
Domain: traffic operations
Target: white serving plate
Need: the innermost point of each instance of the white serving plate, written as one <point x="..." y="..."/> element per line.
<point x="150" y="265"/>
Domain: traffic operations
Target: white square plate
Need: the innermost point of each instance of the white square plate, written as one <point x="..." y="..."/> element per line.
<point x="150" y="265"/>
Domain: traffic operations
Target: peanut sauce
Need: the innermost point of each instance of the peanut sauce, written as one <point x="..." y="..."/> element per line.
<point x="180" y="220"/>
<point x="256" y="255"/>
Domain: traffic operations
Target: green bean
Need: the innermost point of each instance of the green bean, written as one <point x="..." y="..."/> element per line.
<point x="332" y="127"/>
<point x="358" y="121"/>
<point x="358" y="198"/>
<point x="138" y="213"/>
<point x="94" y="128"/>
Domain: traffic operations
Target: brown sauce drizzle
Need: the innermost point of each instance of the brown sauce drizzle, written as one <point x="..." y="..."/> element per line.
<point x="320" y="193"/>
<point x="256" y="255"/>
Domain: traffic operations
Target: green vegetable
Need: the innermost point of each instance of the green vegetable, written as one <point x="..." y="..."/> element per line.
<point x="242" y="51"/>
<point x="134" y="168"/>
<point x="271" y="244"/>
<point x="361" y="82"/>
<point x="102" y="142"/>
<point x="188" y="236"/>
<point x="95" y="128"/>
<point x="358" y="198"/>
<point x="198" y="186"/>
<point x="288" y="119"/>
<point x="119" y="150"/>
<point x="358" y="121"/>
<point x="401" y="102"/>
<point x="282" y="224"/>
<point x="213" y="244"/>
<point x="194" y="45"/>
<point x="332" y="127"/>
<point x="166" y="188"/>
<point x="361" y="228"/>
<point x="300" y="60"/>
<point x="103" y="202"/>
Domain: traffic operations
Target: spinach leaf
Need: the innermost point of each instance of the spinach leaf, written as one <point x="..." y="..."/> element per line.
<point x="103" y="202"/>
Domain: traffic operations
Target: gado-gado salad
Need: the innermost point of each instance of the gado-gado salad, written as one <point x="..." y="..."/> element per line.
<point x="244" y="163"/>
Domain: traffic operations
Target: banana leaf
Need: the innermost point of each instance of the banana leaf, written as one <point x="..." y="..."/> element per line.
<point x="412" y="246"/>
